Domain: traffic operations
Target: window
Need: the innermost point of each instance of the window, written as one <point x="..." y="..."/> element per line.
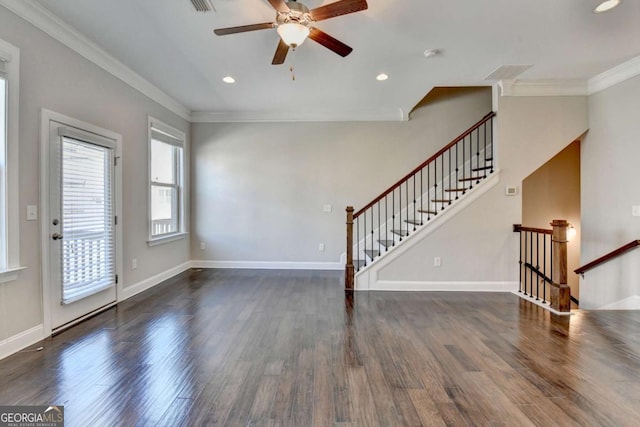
<point x="166" y="189"/>
<point x="9" y="209"/>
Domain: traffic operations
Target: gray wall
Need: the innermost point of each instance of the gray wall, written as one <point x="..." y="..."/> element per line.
<point x="258" y="189"/>
<point x="56" y="78"/>
<point x="610" y="186"/>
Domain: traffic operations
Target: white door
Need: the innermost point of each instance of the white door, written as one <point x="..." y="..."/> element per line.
<point x="82" y="237"/>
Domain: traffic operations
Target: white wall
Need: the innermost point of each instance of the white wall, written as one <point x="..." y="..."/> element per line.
<point x="259" y="188"/>
<point x="610" y="186"/>
<point x="54" y="77"/>
<point x="478" y="246"/>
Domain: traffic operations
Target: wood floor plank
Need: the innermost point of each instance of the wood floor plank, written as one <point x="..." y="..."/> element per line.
<point x="290" y="348"/>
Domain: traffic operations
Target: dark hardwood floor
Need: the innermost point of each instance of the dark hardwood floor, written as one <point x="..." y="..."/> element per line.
<point x="286" y="348"/>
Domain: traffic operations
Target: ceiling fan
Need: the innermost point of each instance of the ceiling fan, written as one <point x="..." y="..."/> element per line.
<point x="294" y="23"/>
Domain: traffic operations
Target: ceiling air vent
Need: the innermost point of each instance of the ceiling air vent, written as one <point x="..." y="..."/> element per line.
<point x="202" y="5"/>
<point x="507" y="72"/>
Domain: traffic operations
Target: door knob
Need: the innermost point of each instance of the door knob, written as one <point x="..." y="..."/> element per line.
<point x="56" y="236"/>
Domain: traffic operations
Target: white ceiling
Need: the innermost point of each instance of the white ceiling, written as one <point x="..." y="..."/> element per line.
<point x="173" y="47"/>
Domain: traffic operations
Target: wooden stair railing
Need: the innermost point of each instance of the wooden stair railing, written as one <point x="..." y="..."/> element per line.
<point x="543" y="251"/>
<point x="419" y="196"/>
<point x="608" y="257"/>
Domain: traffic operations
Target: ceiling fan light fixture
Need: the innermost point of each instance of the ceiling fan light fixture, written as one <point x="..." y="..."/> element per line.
<point x="228" y="79"/>
<point x="606" y="5"/>
<point x="382" y="77"/>
<point x="293" y="34"/>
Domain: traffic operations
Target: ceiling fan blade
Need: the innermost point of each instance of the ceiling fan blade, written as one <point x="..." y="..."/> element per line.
<point x="279" y="5"/>
<point x="281" y="53"/>
<point x="243" y="28"/>
<point x="329" y="42"/>
<point x="338" y="8"/>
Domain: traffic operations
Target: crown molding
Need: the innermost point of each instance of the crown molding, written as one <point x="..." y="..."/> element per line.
<point x="46" y="21"/>
<point x="387" y="115"/>
<point x="543" y="87"/>
<point x="615" y="75"/>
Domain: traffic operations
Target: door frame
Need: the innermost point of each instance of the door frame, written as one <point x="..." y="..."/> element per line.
<point x="47" y="116"/>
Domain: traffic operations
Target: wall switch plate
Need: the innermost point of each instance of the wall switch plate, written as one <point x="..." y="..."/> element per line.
<point x="327" y="208"/>
<point x="511" y="191"/>
<point x="321" y="247"/>
<point x="32" y="212"/>
<point x="635" y="210"/>
<point x="203" y="245"/>
<point x="437" y="261"/>
<point x="134" y="263"/>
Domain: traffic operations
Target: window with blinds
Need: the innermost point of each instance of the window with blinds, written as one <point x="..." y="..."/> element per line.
<point x="166" y="178"/>
<point x="88" y="264"/>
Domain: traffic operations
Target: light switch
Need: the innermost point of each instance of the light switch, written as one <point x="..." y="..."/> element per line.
<point x="327" y="208"/>
<point x="32" y="212"/>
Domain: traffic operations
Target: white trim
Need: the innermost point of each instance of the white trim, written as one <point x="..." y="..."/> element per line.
<point x="129" y="291"/>
<point x="539" y="303"/>
<point x="435" y="286"/>
<point x="12" y="177"/>
<point x="19" y="341"/>
<point x="47" y="116"/>
<point x="161" y="240"/>
<point x="614" y="75"/>
<point x="543" y="87"/>
<point x="10" y="274"/>
<point x="46" y="21"/>
<point x="629" y="303"/>
<point x="268" y="265"/>
<point x="336" y="115"/>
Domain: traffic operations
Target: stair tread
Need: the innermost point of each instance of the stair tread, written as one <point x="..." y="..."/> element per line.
<point x="413" y="221"/>
<point x="481" y="168"/>
<point x="426" y="211"/>
<point x="357" y="263"/>
<point x="454" y="190"/>
<point x="441" y="200"/>
<point x="471" y="178"/>
<point x="401" y="232"/>
<point x="386" y="243"/>
<point x="371" y="253"/>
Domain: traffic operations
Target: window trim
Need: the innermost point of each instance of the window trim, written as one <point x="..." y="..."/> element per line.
<point x="177" y="138"/>
<point x="10" y="266"/>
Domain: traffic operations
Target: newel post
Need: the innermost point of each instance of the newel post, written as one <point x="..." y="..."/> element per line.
<point x="560" y="291"/>
<point x="349" y="270"/>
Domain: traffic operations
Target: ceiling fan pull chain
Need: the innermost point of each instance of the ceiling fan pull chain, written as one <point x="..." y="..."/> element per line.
<point x="293" y="75"/>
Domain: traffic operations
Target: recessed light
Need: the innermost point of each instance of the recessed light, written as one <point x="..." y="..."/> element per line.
<point x="228" y="79"/>
<point x="382" y="77"/>
<point x="606" y="6"/>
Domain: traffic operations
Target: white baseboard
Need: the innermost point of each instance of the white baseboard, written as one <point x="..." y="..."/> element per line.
<point x="268" y="265"/>
<point x="450" y="286"/>
<point x="152" y="281"/>
<point x="630" y="303"/>
<point x="24" y="339"/>
<point x="546" y="306"/>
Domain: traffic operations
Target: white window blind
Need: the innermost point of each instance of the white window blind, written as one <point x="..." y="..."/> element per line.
<point x="88" y="264"/>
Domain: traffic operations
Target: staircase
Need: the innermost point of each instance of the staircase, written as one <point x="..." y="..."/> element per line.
<point x="423" y="194"/>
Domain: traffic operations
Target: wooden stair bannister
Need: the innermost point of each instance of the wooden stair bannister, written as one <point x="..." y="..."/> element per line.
<point x="535" y="258"/>
<point x="420" y="195"/>
<point x="608" y="257"/>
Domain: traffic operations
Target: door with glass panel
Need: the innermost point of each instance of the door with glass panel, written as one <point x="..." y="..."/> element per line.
<point x="81" y="223"/>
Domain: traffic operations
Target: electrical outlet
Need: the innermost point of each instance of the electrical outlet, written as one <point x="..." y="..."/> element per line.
<point x="203" y="245"/>
<point x="321" y="247"/>
<point x="134" y="263"/>
<point x="635" y="210"/>
<point x="327" y="208"/>
<point x="437" y="261"/>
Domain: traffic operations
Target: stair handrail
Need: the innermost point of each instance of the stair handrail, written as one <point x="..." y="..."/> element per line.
<point x="482" y="121"/>
<point x="607" y="257"/>
<point x="462" y="155"/>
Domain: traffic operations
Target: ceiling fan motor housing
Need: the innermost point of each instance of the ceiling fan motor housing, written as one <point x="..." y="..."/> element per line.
<point x="298" y="14"/>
